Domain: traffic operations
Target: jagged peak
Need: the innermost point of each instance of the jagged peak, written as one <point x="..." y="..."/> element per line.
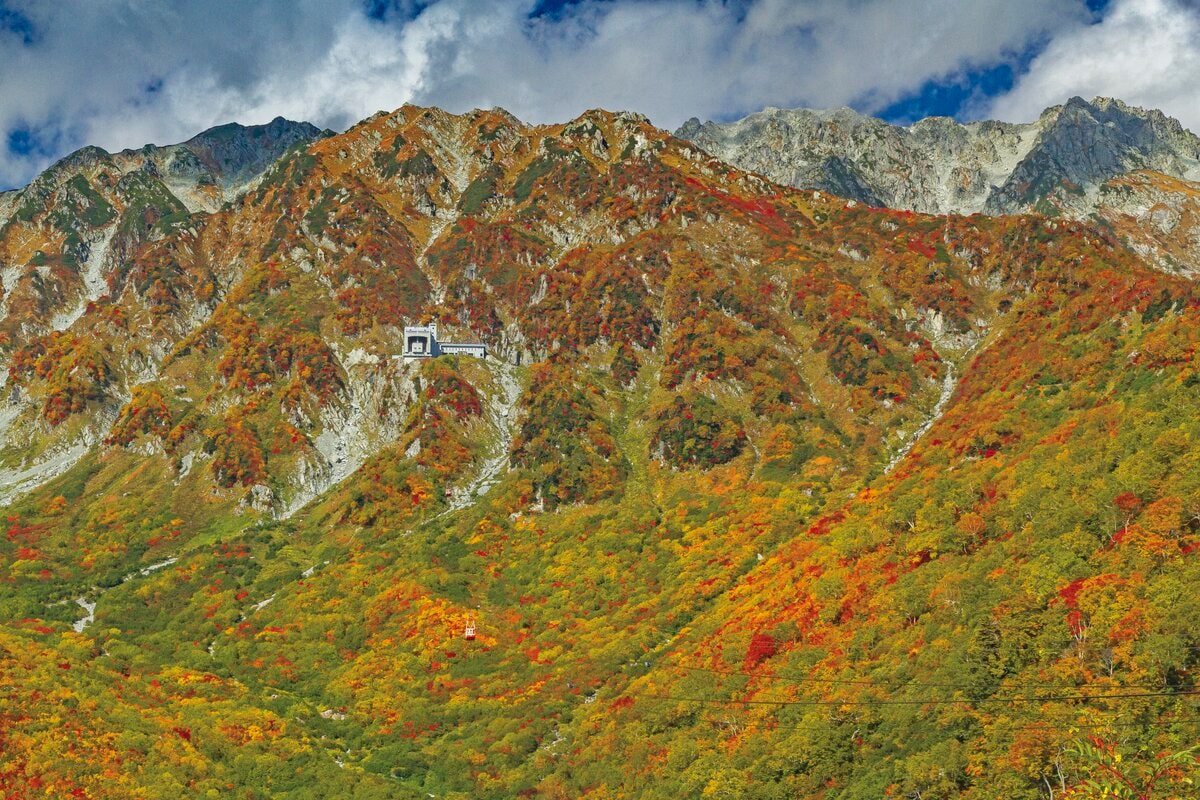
<point x="1102" y="103"/>
<point x="275" y="127"/>
<point x="1105" y="102"/>
<point x="938" y="121"/>
<point x="413" y="113"/>
<point x="410" y="113"/>
<point x="689" y="128"/>
<point x="1120" y="106"/>
<point x="849" y="153"/>
<point x="1110" y="109"/>
<point x="694" y="125"/>
<point x="604" y="115"/>
<point x="612" y="123"/>
<point x="81" y="159"/>
<point x="843" y="115"/>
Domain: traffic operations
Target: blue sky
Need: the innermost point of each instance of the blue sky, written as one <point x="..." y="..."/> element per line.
<point x="123" y="73"/>
<point x="961" y="95"/>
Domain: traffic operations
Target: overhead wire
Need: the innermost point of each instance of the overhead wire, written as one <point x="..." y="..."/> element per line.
<point x="802" y="679"/>
<point x="911" y="701"/>
<point x="1065" y="726"/>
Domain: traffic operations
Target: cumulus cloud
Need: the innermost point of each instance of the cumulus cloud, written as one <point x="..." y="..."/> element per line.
<point x="1145" y="52"/>
<point x="120" y="74"/>
<point x="123" y="74"/>
<point x="681" y="58"/>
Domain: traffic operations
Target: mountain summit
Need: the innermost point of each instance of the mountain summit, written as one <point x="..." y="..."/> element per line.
<point x="234" y="154"/>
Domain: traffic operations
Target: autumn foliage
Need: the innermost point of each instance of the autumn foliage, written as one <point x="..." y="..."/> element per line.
<point x="758" y="494"/>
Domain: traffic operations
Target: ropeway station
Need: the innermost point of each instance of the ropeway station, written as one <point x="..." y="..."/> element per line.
<point x="421" y="341"/>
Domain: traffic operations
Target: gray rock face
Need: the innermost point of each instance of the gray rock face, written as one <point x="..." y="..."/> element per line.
<point x="1055" y="165"/>
<point x="216" y="165"/>
<point x="236" y="153"/>
<point x="1158" y="216"/>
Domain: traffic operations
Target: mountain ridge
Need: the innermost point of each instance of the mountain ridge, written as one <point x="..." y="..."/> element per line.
<point x="944" y="166"/>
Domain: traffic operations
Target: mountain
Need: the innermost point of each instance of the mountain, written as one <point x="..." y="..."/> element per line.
<point x="760" y="492"/>
<point x="68" y="239"/>
<point x="1054" y="165"/>
<point x="1102" y="158"/>
<point x="218" y="164"/>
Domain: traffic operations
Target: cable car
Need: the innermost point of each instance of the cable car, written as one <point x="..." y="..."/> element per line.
<point x="469" y="630"/>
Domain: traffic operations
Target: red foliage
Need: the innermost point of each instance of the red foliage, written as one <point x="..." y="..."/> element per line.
<point x="237" y="453"/>
<point x="1070" y="592"/>
<point x="145" y="413"/>
<point x="1127" y="502"/>
<point x="762" y="646"/>
<point x="922" y="248"/>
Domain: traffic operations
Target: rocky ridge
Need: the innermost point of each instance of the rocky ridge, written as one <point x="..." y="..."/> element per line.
<point x="1055" y="164"/>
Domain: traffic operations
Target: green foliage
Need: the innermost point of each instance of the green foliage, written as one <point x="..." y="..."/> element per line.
<point x="697" y="432"/>
<point x="552" y="160"/>
<point x="319" y="215"/>
<point x="148" y="206"/>
<point x="479" y="191"/>
<point x="78" y="202"/>
<point x="563" y="441"/>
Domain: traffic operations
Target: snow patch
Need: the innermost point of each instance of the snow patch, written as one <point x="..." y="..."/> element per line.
<point x="261" y="604"/>
<point x="144" y="571"/>
<point x="94" y="284"/>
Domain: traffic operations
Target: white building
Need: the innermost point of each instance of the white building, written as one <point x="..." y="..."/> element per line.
<point x="421" y="341"/>
<point x="476" y="349"/>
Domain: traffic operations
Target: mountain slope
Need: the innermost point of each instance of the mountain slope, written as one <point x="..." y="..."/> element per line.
<point x="740" y="448"/>
<point x="234" y="154"/>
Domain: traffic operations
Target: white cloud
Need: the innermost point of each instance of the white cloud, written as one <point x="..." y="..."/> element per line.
<point x="84" y="79"/>
<point x="680" y="58"/>
<point x="1145" y="52"/>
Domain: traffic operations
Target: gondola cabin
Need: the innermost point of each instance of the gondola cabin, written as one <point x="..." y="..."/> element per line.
<point x="469" y="630"/>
